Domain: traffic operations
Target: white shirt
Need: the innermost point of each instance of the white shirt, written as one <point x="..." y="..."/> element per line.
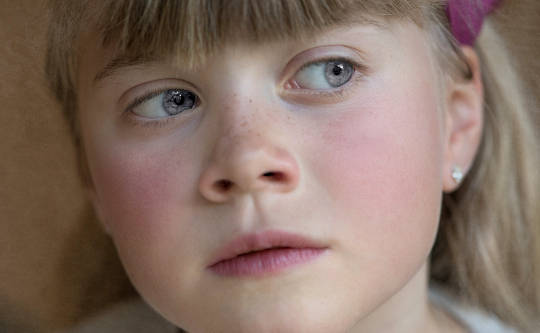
<point x="474" y="320"/>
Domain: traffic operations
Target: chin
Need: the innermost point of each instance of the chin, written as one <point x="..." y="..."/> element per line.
<point x="269" y="324"/>
<point x="285" y="315"/>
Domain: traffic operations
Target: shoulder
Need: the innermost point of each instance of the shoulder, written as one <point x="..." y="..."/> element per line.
<point x="474" y="319"/>
<point x="132" y="316"/>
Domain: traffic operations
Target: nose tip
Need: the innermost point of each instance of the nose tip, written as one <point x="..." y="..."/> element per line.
<point x="248" y="173"/>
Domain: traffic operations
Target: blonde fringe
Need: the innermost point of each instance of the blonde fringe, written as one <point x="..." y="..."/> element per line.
<point x="143" y="28"/>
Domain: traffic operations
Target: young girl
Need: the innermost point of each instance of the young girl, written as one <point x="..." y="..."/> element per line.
<point x="305" y="166"/>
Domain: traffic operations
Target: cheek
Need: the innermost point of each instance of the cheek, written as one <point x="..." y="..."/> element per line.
<point x="138" y="187"/>
<point x="388" y="181"/>
<point x="147" y="195"/>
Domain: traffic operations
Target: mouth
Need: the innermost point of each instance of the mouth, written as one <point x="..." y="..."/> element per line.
<point x="259" y="254"/>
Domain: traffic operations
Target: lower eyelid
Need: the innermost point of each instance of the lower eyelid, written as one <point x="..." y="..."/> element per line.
<point x="131" y="118"/>
<point x="325" y="97"/>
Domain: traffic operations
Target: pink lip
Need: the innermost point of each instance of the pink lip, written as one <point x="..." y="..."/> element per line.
<point x="266" y="252"/>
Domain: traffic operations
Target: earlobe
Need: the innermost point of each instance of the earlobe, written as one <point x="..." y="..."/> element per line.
<point x="464" y="123"/>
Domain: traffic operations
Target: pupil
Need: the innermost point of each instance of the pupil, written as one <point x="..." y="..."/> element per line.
<point x="337" y="70"/>
<point x="178" y="99"/>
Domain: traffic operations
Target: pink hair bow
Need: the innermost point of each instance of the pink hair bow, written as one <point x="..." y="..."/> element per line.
<point x="467" y="16"/>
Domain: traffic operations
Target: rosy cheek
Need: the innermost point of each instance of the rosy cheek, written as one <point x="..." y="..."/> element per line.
<point x="382" y="159"/>
<point x="138" y="188"/>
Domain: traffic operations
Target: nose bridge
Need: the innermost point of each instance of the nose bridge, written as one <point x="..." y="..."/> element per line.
<point x="248" y="122"/>
<point x="249" y="154"/>
<point x="245" y="127"/>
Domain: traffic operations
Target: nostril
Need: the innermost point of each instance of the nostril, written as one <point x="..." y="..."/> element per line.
<point x="223" y="185"/>
<point x="276" y="176"/>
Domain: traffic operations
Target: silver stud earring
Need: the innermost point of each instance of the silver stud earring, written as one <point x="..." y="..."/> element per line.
<point x="457" y="174"/>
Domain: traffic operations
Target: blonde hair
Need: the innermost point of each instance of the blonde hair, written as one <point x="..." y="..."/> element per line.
<point x="488" y="247"/>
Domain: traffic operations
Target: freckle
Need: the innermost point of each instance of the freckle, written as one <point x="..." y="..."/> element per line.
<point x="250" y="100"/>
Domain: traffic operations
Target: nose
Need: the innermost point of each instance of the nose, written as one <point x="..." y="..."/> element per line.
<point x="248" y="163"/>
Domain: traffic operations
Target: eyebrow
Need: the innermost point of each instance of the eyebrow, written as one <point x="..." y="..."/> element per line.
<point x="118" y="64"/>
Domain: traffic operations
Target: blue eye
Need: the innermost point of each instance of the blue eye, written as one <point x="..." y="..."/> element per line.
<point x="165" y="103"/>
<point x="324" y="75"/>
<point x="176" y="101"/>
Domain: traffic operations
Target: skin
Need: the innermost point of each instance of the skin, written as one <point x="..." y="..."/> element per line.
<point x="363" y="172"/>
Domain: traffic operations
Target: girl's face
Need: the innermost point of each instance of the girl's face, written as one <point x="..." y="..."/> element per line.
<point x="339" y="139"/>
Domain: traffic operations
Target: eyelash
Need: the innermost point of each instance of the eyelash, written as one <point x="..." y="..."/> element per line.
<point x="359" y="72"/>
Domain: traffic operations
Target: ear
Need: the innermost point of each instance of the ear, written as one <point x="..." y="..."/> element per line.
<point x="464" y="122"/>
<point x="94" y="199"/>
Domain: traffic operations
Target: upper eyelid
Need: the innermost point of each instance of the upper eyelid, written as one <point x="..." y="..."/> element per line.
<point x="356" y="65"/>
<point x="323" y="53"/>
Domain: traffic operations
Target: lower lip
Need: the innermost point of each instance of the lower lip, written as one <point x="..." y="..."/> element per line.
<point x="265" y="262"/>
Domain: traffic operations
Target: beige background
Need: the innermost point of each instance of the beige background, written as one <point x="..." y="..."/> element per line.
<point x="56" y="265"/>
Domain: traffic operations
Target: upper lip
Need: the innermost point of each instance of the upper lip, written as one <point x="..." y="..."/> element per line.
<point x="263" y="240"/>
